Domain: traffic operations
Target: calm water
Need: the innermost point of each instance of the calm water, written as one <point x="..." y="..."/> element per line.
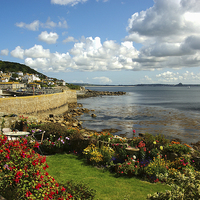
<point x="172" y="111"/>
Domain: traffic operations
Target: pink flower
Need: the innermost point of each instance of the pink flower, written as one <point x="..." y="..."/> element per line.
<point x="134" y="131"/>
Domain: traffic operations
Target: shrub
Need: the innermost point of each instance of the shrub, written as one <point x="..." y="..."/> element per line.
<point x="107" y="153"/>
<point x="130" y="167"/>
<point x="103" y="136"/>
<point x="117" y="139"/>
<point x="74" y="134"/>
<point x="183" y="186"/>
<point x="120" y="152"/>
<point x="54" y="129"/>
<point x="23" y="173"/>
<point x="93" y="155"/>
<point x="155" y="141"/>
<point x="98" y="156"/>
<point x="157" y="166"/>
<point x="178" y="148"/>
<point x="51" y="146"/>
<point x="80" y="190"/>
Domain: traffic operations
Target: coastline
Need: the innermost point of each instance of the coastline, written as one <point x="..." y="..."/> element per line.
<point x="143" y="119"/>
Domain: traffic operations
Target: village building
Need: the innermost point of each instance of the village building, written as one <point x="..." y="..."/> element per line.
<point x="11" y="85"/>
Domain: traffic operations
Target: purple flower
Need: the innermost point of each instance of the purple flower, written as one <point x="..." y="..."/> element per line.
<point x="6" y="167"/>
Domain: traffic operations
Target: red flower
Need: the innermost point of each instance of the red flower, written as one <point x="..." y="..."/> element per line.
<point x="28" y="194"/>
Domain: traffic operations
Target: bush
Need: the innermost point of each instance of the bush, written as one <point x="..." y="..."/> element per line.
<point x="120" y="152"/>
<point x="131" y="167"/>
<point x="23" y="173"/>
<point x="183" y="186"/>
<point x="52" y="146"/>
<point x="80" y="190"/>
<point x="54" y="129"/>
<point x="157" y="166"/>
<point x="98" y="156"/>
<point x="178" y="148"/>
<point x="155" y="141"/>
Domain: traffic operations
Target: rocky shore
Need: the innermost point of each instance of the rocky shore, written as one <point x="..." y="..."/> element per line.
<point x="92" y="93"/>
<point x="69" y="118"/>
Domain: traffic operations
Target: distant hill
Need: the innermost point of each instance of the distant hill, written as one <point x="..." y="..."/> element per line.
<point x="6" y="66"/>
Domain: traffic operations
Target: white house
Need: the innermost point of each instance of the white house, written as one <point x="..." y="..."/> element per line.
<point x="28" y="78"/>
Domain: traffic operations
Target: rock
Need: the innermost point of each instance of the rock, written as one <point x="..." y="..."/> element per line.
<point x="75" y="124"/>
<point x="51" y="115"/>
<point x="91" y="93"/>
<point x="93" y="115"/>
<point x="80" y="123"/>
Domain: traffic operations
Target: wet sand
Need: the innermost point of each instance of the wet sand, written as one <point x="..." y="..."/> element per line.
<point x="172" y="123"/>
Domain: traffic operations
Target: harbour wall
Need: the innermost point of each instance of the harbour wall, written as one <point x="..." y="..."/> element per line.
<point x="39" y="103"/>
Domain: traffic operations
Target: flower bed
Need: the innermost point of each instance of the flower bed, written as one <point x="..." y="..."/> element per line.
<point x="151" y="159"/>
<point x="23" y="173"/>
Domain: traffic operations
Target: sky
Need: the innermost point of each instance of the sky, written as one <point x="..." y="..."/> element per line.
<point x="113" y="42"/>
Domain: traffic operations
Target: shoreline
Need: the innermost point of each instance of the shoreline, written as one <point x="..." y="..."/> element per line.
<point x="145" y="119"/>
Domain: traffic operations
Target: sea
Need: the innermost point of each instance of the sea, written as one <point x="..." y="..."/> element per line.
<point x="167" y="110"/>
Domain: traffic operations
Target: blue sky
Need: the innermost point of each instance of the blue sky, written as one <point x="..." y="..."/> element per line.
<point x="104" y="41"/>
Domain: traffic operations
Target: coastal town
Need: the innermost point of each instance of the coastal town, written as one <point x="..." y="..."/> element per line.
<point x="26" y="83"/>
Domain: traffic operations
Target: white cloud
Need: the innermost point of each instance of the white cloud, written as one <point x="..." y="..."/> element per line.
<point x="55" y="62"/>
<point x="62" y="24"/>
<point x="34" y="26"/>
<point x="37" y="52"/>
<point x="176" y="77"/>
<point x="90" y="54"/>
<point x="169" y="32"/>
<point x="103" y="79"/>
<point x="49" y="24"/>
<point x="4" y="52"/>
<point x="102" y="0"/>
<point x="49" y="38"/>
<point x="18" y="52"/>
<point x="147" y="78"/>
<point x="68" y="2"/>
<point x="70" y="39"/>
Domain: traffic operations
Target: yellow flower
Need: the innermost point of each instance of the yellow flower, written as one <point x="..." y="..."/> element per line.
<point x="154" y="142"/>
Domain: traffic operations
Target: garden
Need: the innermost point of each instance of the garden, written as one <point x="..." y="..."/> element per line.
<point x="163" y="168"/>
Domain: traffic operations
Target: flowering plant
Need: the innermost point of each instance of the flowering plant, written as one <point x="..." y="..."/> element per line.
<point x="93" y="155"/>
<point x="120" y="152"/>
<point x="177" y="148"/>
<point x="143" y="149"/>
<point x="117" y="139"/>
<point x="130" y="167"/>
<point x="23" y="119"/>
<point x="107" y="153"/>
<point x="50" y="145"/>
<point x="185" y="187"/>
<point x="103" y="136"/>
<point x="157" y="166"/>
<point x="23" y="173"/>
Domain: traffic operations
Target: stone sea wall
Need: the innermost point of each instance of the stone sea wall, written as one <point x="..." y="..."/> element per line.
<point x="39" y="103"/>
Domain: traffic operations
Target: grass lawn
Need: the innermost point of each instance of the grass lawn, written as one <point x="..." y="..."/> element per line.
<point x="65" y="167"/>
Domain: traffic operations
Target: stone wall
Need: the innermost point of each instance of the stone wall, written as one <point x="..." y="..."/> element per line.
<point x="38" y="103"/>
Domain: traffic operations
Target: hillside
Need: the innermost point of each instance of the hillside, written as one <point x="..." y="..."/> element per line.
<point x="6" y="66"/>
